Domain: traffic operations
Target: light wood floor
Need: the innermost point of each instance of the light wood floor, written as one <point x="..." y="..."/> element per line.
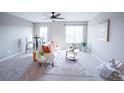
<point x="23" y="68"/>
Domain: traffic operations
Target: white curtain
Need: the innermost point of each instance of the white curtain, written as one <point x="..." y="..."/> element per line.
<point x="74" y="33"/>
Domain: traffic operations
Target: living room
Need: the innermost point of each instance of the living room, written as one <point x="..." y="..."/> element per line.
<point x="76" y="49"/>
<point x="78" y="30"/>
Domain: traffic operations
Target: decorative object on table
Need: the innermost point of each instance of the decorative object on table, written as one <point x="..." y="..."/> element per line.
<point x="73" y="46"/>
<point x="36" y="37"/>
<point x="84" y="46"/>
<point x="103" y="32"/>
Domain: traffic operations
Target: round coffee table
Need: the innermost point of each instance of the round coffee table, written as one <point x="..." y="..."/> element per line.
<point x="71" y="54"/>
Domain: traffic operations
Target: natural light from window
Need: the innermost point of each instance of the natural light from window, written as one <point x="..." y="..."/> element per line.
<point x="74" y="34"/>
<point x="43" y="33"/>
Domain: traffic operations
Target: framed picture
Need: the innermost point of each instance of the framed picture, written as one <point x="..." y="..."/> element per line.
<point x="103" y="32"/>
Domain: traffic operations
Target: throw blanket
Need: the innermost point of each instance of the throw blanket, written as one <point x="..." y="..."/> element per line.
<point x="108" y="72"/>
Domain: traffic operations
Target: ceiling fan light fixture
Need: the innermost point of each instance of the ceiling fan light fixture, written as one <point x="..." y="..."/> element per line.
<point x="53" y="20"/>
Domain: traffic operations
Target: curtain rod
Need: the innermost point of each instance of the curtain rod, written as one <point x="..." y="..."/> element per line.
<point x="75" y="24"/>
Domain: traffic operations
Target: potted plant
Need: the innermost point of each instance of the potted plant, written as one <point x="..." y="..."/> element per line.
<point x="84" y="44"/>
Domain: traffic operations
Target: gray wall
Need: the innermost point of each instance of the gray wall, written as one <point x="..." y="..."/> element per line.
<point x="11" y="29"/>
<point x="115" y="47"/>
<point x="56" y="32"/>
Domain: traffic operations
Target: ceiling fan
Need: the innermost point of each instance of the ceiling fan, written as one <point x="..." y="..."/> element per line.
<point x="55" y="16"/>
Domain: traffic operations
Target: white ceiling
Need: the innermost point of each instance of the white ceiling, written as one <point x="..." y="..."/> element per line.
<point x="69" y="16"/>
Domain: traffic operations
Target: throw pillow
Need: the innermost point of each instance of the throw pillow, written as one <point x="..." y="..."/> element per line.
<point x="46" y="49"/>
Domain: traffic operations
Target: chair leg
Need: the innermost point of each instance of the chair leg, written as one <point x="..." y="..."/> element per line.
<point x="52" y="64"/>
<point x="26" y="48"/>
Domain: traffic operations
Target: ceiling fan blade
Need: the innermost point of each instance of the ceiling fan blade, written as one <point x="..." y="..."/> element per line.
<point x="57" y="15"/>
<point x="46" y="15"/>
<point x="46" y="18"/>
<point x="60" y="18"/>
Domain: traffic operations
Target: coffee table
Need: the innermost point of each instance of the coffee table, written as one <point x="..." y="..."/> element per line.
<point x="71" y="54"/>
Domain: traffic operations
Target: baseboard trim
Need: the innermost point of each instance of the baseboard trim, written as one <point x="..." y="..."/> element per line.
<point x="98" y="58"/>
<point x="10" y="56"/>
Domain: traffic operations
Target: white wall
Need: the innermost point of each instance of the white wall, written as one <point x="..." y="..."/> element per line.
<point x="11" y="29"/>
<point x="56" y="32"/>
<point x="113" y="48"/>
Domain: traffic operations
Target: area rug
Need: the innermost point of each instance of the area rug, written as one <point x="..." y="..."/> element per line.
<point x="64" y="71"/>
<point x="66" y="67"/>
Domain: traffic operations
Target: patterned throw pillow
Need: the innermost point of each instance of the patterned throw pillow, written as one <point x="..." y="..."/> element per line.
<point x="46" y="49"/>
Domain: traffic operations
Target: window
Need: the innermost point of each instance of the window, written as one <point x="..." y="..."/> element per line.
<point x="74" y="33"/>
<point x="43" y="33"/>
